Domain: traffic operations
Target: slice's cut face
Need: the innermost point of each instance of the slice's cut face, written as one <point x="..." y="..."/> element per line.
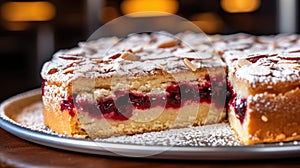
<point x="178" y="104"/>
<point x="106" y="87"/>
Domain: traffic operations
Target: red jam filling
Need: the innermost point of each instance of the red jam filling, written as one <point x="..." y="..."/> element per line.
<point x="240" y="108"/>
<point x="43" y="86"/>
<point x="230" y="95"/>
<point x="68" y="105"/>
<point x="212" y="90"/>
<point x="239" y="104"/>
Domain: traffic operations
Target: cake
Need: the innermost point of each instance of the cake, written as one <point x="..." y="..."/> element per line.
<point x="145" y="82"/>
<point x="156" y="81"/>
<point x="265" y="80"/>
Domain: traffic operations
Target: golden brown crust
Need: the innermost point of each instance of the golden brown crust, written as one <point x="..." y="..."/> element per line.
<point x="269" y="118"/>
<point x="59" y="121"/>
<point x="275" y="118"/>
<point x="62" y="122"/>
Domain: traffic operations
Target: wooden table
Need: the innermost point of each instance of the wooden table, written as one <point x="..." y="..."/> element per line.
<point x="15" y="152"/>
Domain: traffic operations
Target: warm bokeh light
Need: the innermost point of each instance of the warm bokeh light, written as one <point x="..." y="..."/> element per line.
<point x="208" y="22"/>
<point x="162" y="7"/>
<point x="240" y="6"/>
<point x="16" y="26"/>
<point x="27" y="11"/>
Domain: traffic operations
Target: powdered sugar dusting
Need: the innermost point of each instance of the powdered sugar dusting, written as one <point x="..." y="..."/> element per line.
<point x="208" y="135"/>
<point x="271" y="69"/>
<point x="32" y="117"/>
<point x="136" y="55"/>
<point x="162" y="51"/>
<point x="274" y="59"/>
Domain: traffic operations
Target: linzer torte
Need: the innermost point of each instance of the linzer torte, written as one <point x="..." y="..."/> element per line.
<point x="152" y="82"/>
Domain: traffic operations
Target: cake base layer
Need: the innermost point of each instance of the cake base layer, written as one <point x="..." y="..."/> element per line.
<point x="269" y="118"/>
<point x="154" y="119"/>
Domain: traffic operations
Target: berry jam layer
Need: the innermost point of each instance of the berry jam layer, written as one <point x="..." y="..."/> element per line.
<point x="238" y="104"/>
<point x="121" y="106"/>
<point x="240" y="107"/>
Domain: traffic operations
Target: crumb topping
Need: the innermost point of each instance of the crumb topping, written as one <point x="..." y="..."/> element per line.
<point x="256" y="59"/>
<point x="137" y="54"/>
<point x="266" y="60"/>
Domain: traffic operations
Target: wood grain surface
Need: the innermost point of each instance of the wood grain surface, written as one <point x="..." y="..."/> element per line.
<point x="15" y="152"/>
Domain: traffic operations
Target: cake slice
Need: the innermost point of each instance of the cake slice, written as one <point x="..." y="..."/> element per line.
<point x="145" y="82"/>
<point x="265" y="104"/>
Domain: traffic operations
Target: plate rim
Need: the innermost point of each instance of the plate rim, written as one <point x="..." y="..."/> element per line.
<point x="260" y="151"/>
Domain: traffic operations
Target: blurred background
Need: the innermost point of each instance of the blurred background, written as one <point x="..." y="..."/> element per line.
<point x="31" y="31"/>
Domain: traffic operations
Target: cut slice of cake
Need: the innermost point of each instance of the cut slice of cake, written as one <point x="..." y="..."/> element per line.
<point x="265" y="104"/>
<point x="146" y="82"/>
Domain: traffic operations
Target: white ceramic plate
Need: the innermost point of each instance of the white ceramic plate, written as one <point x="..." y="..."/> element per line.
<point x="11" y="108"/>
